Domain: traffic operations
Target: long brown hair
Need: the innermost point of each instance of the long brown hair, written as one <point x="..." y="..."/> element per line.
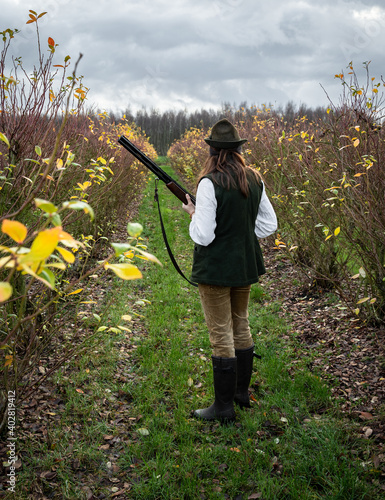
<point x="229" y="170"/>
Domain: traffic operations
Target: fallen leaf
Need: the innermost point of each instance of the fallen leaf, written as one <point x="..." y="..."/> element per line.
<point x="118" y="492"/>
<point x="48" y="474"/>
<point x="365" y="415"/>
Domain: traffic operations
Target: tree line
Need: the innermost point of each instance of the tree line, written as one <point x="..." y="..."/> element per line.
<point x="163" y="128"/>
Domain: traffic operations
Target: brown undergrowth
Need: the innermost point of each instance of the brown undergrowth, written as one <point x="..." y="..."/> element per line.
<point x="346" y="352"/>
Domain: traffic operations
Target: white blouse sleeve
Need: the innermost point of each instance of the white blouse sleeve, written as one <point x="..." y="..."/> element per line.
<point x="203" y="222"/>
<point x="266" y="222"/>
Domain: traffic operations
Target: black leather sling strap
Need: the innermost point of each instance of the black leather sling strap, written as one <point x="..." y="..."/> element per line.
<point x="156" y="197"/>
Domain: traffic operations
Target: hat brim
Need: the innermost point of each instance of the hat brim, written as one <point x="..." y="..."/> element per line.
<point x="225" y="144"/>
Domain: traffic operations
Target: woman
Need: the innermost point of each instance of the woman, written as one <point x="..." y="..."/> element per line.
<point x="232" y="211"/>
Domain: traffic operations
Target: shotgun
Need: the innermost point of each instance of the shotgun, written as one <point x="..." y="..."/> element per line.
<point x="178" y="190"/>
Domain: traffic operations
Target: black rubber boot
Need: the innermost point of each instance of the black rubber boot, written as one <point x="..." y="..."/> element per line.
<point x="244" y="370"/>
<point x="225" y="380"/>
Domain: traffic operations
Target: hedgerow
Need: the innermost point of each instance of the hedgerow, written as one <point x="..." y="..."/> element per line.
<point x="63" y="183"/>
<point x="327" y="184"/>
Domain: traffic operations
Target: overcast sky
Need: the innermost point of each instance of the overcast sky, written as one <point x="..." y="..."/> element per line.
<point x="193" y="54"/>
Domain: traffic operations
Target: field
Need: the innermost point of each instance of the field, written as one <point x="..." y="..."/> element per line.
<point x="104" y="350"/>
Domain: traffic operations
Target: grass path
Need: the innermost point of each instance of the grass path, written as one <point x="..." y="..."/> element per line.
<point x="121" y="427"/>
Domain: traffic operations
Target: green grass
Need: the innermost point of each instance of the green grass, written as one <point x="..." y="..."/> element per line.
<point x="138" y="392"/>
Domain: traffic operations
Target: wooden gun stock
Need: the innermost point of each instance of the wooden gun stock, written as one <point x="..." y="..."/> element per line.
<point x="177" y="191"/>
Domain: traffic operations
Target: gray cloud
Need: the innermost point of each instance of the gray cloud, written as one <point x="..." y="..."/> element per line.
<point x="191" y="53"/>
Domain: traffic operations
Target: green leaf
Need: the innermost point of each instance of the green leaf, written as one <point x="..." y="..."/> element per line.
<point x="56" y="220"/>
<point x="38" y="150"/>
<point x="45" y="205"/>
<point x="48" y="275"/>
<point x="134" y="229"/>
<point x="120" y="248"/>
<point x="80" y="205"/>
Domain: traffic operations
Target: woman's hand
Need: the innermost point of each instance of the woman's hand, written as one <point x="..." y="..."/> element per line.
<point x="189" y="208"/>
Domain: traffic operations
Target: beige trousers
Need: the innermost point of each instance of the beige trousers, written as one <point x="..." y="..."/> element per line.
<point x="226" y="315"/>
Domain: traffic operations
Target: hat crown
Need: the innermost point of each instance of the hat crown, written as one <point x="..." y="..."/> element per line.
<point x="224" y="131"/>
<point x="224" y="135"/>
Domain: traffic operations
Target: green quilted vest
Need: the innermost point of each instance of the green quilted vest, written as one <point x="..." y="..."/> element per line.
<point x="234" y="258"/>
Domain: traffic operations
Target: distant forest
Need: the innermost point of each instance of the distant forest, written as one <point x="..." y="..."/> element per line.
<point x="163" y="128"/>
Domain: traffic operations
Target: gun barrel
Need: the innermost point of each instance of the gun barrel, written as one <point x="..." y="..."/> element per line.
<point x="153" y="167"/>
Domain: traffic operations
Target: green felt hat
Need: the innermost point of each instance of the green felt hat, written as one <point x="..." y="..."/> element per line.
<point x="224" y="136"/>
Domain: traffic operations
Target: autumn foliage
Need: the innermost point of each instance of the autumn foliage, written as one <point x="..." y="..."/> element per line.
<point x="327" y="183"/>
<point x="64" y="181"/>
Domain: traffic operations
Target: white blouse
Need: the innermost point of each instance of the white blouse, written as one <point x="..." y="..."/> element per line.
<point x="203" y="222"/>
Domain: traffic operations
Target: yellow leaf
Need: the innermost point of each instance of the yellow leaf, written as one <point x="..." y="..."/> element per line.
<point x="75" y="291"/>
<point x="327" y="237"/>
<point x="7" y="262"/>
<point x="14" y="229"/>
<point x="124" y="271"/>
<point x="56" y="265"/>
<point x="356" y="143"/>
<point x="124" y="329"/>
<point x="4" y="139"/>
<point x="67" y="255"/>
<point x="361" y="301"/>
<point x="67" y="239"/>
<point x="148" y="256"/>
<point x="126" y="317"/>
<point x="43" y="245"/>
<point x="8" y="360"/>
<point x="337" y="231"/>
<point x="372" y="301"/>
<point x="59" y="163"/>
<point x="5" y="291"/>
<point x="85" y="185"/>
